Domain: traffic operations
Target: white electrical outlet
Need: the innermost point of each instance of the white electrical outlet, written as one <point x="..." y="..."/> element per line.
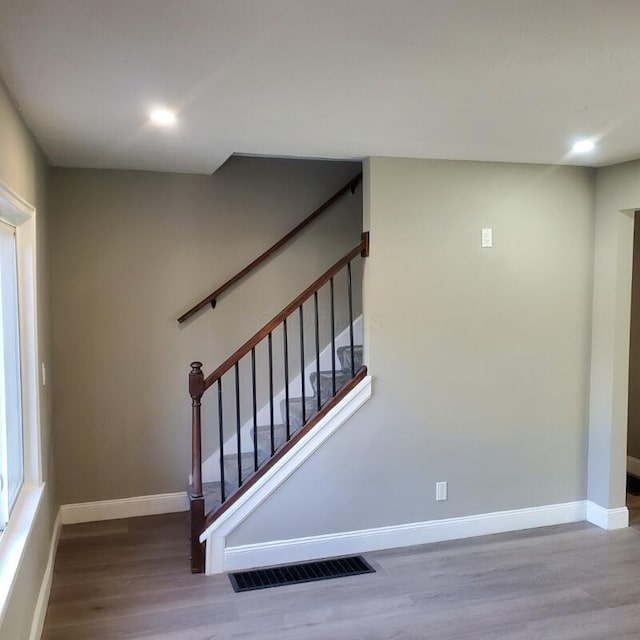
<point x="487" y="238"/>
<point x="441" y="491"/>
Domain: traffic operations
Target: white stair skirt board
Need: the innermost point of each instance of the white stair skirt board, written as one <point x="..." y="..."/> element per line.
<point x="211" y="466"/>
<point x="633" y="466"/>
<point x="607" y="518"/>
<point x="124" y="508"/>
<point x="352" y="542"/>
<point x="215" y="535"/>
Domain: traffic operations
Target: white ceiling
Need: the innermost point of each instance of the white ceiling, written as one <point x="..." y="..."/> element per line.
<point x="508" y="80"/>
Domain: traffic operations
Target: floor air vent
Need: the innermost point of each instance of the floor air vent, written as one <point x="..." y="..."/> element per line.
<point x="297" y="573"/>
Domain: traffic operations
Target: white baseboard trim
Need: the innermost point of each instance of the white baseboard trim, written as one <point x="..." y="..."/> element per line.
<point x="45" y="588"/>
<point x="404" y="535"/>
<point x="633" y="466"/>
<point x="124" y="508"/>
<point x="607" y="518"/>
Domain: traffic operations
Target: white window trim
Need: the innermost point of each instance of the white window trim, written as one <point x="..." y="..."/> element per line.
<point x="13" y="540"/>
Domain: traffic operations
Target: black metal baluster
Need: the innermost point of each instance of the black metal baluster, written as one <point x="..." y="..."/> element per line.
<point x="302" y="384"/>
<point x="270" y="340"/>
<point x="318" y="387"/>
<point x="255" y="409"/>
<point x="286" y="377"/>
<point x="333" y="339"/>
<point x="221" y="436"/>
<point x="239" y="440"/>
<point x="353" y="360"/>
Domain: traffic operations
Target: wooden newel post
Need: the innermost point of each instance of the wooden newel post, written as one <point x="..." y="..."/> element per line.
<point x="196" y="499"/>
<point x="196" y="389"/>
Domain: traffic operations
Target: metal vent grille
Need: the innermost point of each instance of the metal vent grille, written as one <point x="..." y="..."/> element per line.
<point x="297" y="573"/>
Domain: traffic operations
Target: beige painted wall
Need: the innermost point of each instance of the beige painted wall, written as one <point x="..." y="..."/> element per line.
<point x="479" y="357"/>
<point x="24" y="170"/>
<point x="133" y="250"/>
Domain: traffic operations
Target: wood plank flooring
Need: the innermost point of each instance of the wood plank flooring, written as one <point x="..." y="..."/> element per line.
<point x="130" y="579"/>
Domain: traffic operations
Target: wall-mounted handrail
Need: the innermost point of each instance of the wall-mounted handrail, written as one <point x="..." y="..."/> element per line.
<point x="361" y="249"/>
<point x="211" y="298"/>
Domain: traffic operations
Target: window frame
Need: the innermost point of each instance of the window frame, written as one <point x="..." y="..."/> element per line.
<point x="13" y="540"/>
<point x="20" y="214"/>
<point x="10" y="402"/>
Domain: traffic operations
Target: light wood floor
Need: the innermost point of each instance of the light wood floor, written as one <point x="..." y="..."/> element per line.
<point x="130" y="579"/>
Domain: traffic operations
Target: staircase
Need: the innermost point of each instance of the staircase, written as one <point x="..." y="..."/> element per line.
<point x="280" y="352"/>
<point x="269" y="441"/>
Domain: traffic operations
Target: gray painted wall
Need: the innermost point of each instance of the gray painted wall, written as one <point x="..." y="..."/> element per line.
<point x="133" y="250"/>
<point x="480" y="357"/>
<point x="24" y="170"/>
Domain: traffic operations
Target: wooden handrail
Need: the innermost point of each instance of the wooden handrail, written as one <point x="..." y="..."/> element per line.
<point x="211" y="298"/>
<point x="362" y="249"/>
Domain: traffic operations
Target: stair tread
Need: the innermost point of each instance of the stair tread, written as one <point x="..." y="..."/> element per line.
<point x="327" y="376"/>
<point x="344" y="355"/>
<point x="210" y="487"/>
<point x="245" y="455"/>
<point x="212" y="492"/>
<point x="328" y="373"/>
<point x="298" y="400"/>
<point x="246" y="458"/>
<point x="247" y="466"/>
<point x="267" y="427"/>
<point x="279" y="433"/>
<point x="310" y="406"/>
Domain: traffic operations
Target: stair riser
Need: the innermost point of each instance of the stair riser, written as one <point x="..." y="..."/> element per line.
<point x="344" y="355"/>
<point x="231" y="468"/>
<point x="326" y="384"/>
<point x="264" y="439"/>
<point x="295" y="411"/>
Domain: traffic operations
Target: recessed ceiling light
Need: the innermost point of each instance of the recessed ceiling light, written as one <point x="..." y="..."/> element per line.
<point x="163" y="117"/>
<point x="583" y="146"/>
